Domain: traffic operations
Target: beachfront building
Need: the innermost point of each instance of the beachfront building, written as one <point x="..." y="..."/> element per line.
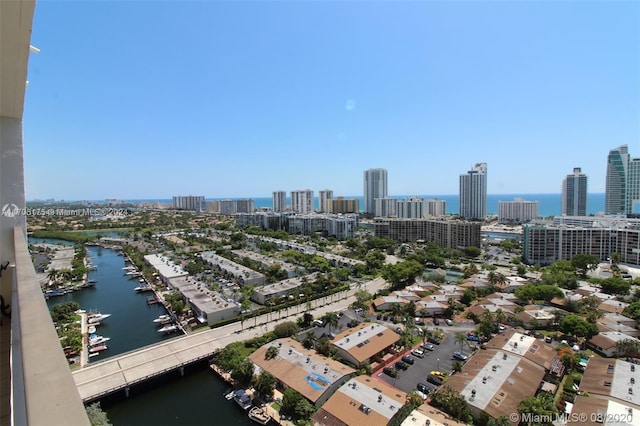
<point x="302" y="201"/>
<point x="411" y="208"/>
<point x="613" y="388"/>
<point x="512" y="367"/>
<point x="240" y="273"/>
<point x="323" y="200"/>
<point x="364" y="343"/>
<point x="342" y="205"/>
<point x="361" y="401"/>
<point x="188" y="202"/>
<point x="517" y="211"/>
<point x="375" y="186"/>
<point x="446" y="233"/>
<point x="435" y="207"/>
<point x="208" y="306"/>
<point x="574" y="194"/>
<point x="386" y="207"/>
<point x="279" y="201"/>
<point x="473" y="193"/>
<point x="314" y="376"/>
<point x="547" y="242"/>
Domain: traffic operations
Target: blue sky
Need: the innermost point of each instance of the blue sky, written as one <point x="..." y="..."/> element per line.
<point x="150" y="99"/>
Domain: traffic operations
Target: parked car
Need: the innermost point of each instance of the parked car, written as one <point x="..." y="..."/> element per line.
<point x="460" y="356"/>
<point x="438" y="374"/>
<point x="390" y="371"/>
<point x="425" y="388"/>
<point x="408" y="359"/>
<point x="434" y="380"/>
<point x="448" y="321"/>
<point x="434" y="340"/>
<point x="418" y="352"/>
<point x="548" y="339"/>
<point x="436" y="321"/>
<point x="401" y="365"/>
<point x="428" y="346"/>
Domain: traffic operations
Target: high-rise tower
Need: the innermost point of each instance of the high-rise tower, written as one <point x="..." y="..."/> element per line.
<point x="473" y="193"/>
<point x="616" y="183"/>
<point x="323" y="200"/>
<point x="279" y="201"/>
<point x="302" y="201"/>
<point x="375" y="186"/>
<point x="574" y="194"/>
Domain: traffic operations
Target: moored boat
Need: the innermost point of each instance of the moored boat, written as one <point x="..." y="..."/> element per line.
<point x="95" y="340"/>
<point x="99" y="348"/>
<point x="229" y="394"/>
<point x="259" y="415"/>
<point x="94" y="318"/>
<point x="91" y="329"/>
<point x="163" y="319"/>
<point x="242" y="399"/>
<point x="168" y="328"/>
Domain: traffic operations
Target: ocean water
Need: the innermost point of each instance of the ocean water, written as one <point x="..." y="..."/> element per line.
<point x="548" y="204"/>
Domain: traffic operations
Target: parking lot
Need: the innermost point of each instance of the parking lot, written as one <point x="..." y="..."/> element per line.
<point x="439" y="359"/>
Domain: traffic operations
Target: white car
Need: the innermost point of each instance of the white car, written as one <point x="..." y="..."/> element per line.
<point x="448" y="321"/>
<point x="418" y="352"/>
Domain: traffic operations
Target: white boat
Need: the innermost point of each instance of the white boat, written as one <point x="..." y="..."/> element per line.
<point x="97" y="318"/>
<point x="91" y="329"/>
<point x="142" y="288"/>
<point x="229" y="394"/>
<point x="163" y="319"/>
<point x="168" y="328"/>
<point x="98" y="340"/>
<point x="259" y="415"/>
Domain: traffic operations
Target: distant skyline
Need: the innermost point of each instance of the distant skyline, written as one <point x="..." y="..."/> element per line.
<point x="240" y="99"/>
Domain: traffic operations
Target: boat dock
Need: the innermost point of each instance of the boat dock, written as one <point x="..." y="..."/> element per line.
<point x="121" y="372"/>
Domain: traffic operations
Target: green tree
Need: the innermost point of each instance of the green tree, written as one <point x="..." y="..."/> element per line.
<point x="577" y="326"/>
<point x="265" y="384"/>
<point x="296" y="405"/>
<point x="271" y="352"/>
<point x="461" y="338"/>
<point x="583" y="263"/>
<point x="330" y="319"/>
<point x="286" y="329"/>
<point x="540" y="406"/>
<point x="628" y="347"/>
<point x="97" y="417"/>
<point x="242" y="373"/>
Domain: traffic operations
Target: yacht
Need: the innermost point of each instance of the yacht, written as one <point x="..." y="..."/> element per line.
<point x="95" y="340"/>
<point x="170" y="328"/>
<point x="242" y="399"/>
<point x="163" y="319"/>
<point x="259" y="415"/>
<point x="96" y="318"/>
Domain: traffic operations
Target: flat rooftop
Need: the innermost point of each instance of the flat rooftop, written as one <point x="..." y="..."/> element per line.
<point x="365" y="340"/>
<point x="165" y="266"/>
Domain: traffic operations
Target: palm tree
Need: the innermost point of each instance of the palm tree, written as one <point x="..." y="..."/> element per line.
<point x="461" y="338"/>
<point x="500" y="316"/>
<point x="330" y="319"/>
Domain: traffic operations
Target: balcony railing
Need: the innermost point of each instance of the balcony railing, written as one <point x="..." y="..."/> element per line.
<point x="42" y="390"/>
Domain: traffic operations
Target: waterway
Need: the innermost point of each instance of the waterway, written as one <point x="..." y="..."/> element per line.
<point x="193" y="399"/>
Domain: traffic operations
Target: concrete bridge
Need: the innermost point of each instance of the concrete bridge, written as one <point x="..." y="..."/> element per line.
<point x="123" y="371"/>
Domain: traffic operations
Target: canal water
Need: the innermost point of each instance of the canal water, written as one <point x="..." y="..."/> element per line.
<point x="193" y="399"/>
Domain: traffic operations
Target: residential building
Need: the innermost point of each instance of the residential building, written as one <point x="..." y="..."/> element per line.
<point x="547" y="242"/>
<point x="208" y="306"/>
<point x="165" y="267"/>
<point x="361" y="344"/>
<point x="188" y="202"/>
<point x="240" y="273"/>
<point x="272" y="293"/>
<point x="445" y="233"/>
<point x="512" y="368"/>
<point x="613" y="388"/>
<point x="410" y="208"/>
<point x="517" y="211"/>
<point x="323" y="200"/>
<point x="473" y="193"/>
<point x="605" y="342"/>
<point x="314" y="376"/>
<point x="361" y="401"/>
<point x="616" y="181"/>
<point x="302" y="201"/>
<point x="268" y="261"/>
<point x="430" y="416"/>
<point x="375" y="186"/>
<point x="574" y="194"/>
<point x="279" y="201"/>
<point x="341" y="205"/>
<point x="435" y="207"/>
<point x="245" y="205"/>
<point x="386" y="207"/>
